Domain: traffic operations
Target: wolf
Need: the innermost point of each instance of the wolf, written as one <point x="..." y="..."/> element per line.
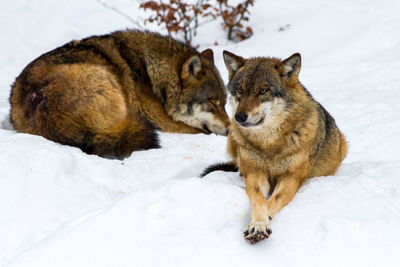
<point x="108" y="94"/>
<point x="279" y="136"/>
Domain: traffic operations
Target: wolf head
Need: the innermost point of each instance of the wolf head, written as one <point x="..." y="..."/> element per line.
<point x="202" y="100"/>
<point x="261" y="88"/>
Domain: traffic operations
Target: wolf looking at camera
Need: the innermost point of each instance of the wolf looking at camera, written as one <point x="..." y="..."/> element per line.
<point x="279" y="137"/>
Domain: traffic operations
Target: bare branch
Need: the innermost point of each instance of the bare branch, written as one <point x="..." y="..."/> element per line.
<point x="113" y="8"/>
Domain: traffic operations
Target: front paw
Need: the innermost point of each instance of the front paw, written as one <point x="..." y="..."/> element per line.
<point x="257" y="231"/>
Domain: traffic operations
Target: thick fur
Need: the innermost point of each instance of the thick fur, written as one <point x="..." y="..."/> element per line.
<point x="107" y="94"/>
<point x="279" y="137"/>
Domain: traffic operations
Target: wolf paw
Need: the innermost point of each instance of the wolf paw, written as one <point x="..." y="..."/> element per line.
<point x="257" y="231"/>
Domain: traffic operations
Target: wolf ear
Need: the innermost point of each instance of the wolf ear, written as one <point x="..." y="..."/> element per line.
<point x="192" y="66"/>
<point x="290" y="67"/>
<point x="232" y="62"/>
<point x="208" y="53"/>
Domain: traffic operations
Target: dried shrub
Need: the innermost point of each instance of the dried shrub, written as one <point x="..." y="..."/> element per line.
<point x="233" y="18"/>
<point x="179" y="16"/>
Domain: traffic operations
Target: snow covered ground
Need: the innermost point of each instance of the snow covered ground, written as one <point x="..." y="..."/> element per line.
<point x="61" y="207"/>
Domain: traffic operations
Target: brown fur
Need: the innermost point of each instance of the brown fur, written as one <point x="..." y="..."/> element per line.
<point x="295" y="140"/>
<point x="107" y="94"/>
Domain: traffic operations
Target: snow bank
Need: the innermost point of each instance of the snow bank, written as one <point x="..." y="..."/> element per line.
<point x="61" y="207"/>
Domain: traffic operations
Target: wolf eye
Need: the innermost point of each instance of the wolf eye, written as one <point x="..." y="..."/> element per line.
<point x="239" y="91"/>
<point x="213" y="102"/>
<point x="263" y="91"/>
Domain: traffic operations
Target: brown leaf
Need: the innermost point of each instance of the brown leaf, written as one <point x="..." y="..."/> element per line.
<point x="150" y="4"/>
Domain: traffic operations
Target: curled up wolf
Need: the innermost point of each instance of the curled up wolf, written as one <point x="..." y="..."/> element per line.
<point x="108" y="94"/>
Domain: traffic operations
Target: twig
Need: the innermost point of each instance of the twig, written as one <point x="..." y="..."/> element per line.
<point x="135" y="22"/>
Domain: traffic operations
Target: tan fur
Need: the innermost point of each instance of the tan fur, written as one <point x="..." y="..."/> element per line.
<point x="107" y="94"/>
<point x="296" y="140"/>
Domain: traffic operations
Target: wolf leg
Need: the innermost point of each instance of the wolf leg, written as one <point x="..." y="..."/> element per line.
<point x="257" y="187"/>
<point x="284" y="191"/>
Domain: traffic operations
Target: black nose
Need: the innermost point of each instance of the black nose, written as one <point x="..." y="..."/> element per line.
<point x="241" y="117"/>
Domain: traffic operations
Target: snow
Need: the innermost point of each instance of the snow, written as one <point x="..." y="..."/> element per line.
<point x="61" y="207"/>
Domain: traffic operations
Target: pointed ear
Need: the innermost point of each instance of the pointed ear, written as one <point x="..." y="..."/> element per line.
<point x="290" y="67"/>
<point x="208" y="53"/>
<point x="232" y="62"/>
<point x="191" y="67"/>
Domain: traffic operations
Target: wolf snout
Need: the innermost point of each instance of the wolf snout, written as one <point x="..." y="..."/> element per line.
<point x="220" y="130"/>
<point x="241" y="117"/>
<point x="215" y="128"/>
